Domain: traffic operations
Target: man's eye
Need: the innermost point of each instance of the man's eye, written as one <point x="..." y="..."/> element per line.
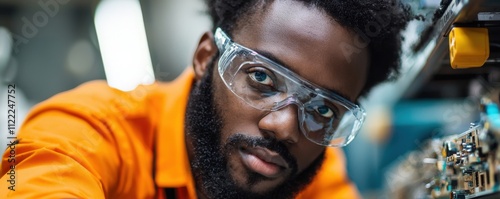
<point x="324" y="111"/>
<point x="261" y="77"/>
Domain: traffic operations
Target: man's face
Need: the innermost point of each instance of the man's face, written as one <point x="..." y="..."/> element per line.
<point x="261" y="152"/>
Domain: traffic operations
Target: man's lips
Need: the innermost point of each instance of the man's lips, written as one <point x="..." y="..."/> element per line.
<point x="263" y="161"/>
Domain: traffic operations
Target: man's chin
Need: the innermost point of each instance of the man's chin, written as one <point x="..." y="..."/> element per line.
<point x="261" y="187"/>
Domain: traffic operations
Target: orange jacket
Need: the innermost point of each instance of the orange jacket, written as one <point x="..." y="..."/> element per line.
<point x="98" y="142"/>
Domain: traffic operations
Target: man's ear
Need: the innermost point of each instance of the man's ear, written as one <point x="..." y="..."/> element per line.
<point x="203" y="55"/>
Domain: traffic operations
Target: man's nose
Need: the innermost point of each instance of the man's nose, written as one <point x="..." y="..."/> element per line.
<point x="282" y="124"/>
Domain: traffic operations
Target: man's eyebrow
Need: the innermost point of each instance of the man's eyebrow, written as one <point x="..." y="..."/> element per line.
<point x="273" y="58"/>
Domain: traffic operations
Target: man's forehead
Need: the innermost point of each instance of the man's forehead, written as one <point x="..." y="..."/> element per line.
<point x="273" y="14"/>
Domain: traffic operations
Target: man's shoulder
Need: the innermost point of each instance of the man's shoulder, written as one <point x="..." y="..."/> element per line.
<point x="99" y="99"/>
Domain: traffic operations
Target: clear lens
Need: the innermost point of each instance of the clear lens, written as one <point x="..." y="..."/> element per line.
<point x="337" y="132"/>
<point x="325" y="118"/>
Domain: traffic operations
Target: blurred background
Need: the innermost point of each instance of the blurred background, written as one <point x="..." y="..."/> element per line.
<point x="50" y="46"/>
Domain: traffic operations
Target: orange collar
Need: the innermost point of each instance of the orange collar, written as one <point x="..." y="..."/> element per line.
<point x="172" y="163"/>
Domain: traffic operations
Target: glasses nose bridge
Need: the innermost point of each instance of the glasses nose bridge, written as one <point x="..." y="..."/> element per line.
<point x="293" y="99"/>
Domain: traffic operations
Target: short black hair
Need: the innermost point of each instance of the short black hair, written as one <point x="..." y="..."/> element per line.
<point x="379" y="22"/>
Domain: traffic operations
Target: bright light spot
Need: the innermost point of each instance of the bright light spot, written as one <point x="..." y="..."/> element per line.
<point x="123" y="43"/>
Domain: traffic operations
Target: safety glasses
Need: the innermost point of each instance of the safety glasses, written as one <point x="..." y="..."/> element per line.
<point x="325" y="118"/>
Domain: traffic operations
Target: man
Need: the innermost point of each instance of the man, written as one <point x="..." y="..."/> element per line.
<point x="271" y="93"/>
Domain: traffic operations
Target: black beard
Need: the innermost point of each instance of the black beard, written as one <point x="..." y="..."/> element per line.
<point x="210" y="162"/>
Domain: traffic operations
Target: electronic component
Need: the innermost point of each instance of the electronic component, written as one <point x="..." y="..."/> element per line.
<point x="466" y="165"/>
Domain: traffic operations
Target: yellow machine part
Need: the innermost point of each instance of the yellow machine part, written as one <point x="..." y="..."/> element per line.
<point x="469" y="47"/>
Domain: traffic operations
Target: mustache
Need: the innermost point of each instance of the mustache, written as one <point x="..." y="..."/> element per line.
<point x="237" y="140"/>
